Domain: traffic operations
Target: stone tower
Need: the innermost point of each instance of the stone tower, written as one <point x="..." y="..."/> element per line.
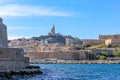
<point x="3" y="35"/>
<point x="53" y="29"/>
<point x="68" y="41"/>
<point x="52" y="32"/>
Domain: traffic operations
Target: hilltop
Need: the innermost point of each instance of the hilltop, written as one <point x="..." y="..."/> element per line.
<point x="53" y="38"/>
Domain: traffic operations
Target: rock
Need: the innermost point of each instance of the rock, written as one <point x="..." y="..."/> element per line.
<point x="28" y="71"/>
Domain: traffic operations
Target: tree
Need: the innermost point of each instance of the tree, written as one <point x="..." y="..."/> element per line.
<point x="110" y="46"/>
<point x="115" y="50"/>
<point x="103" y="53"/>
<point x="82" y="47"/>
<point x="88" y="45"/>
<point x="116" y="53"/>
<point x="103" y="58"/>
<point x="98" y="57"/>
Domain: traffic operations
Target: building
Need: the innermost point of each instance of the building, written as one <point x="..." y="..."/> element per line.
<point x="103" y="39"/>
<point x="10" y="58"/>
<point x="68" y="41"/>
<point x="3" y="35"/>
<point x="110" y="39"/>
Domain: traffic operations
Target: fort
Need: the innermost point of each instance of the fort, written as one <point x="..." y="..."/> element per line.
<point x="12" y="60"/>
<point x="103" y="39"/>
<point x="3" y="35"/>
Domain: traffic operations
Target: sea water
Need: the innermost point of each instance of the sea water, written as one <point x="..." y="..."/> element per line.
<point x="77" y="72"/>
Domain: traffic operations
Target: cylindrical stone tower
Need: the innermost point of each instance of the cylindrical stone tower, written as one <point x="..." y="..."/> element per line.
<point x="3" y="35"/>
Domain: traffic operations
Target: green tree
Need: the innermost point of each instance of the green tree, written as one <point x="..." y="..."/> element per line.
<point x="103" y="53"/>
<point x="116" y="53"/>
<point x="98" y="57"/>
<point x="82" y="47"/>
<point x="88" y="45"/>
<point x="103" y="57"/>
<point x="115" y="50"/>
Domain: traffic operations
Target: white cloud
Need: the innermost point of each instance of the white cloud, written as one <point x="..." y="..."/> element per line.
<point x="26" y="10"/>
<point x="12" y="37"/>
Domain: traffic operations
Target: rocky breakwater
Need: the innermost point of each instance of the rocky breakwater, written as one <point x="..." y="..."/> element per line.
<point x="25" y="72"/>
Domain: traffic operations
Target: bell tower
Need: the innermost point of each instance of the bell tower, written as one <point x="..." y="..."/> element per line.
<point x="53" y="29"/>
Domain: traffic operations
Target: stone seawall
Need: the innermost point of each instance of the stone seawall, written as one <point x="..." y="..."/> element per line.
<point x="88" y="62"/>
<point x="38" y="61"/>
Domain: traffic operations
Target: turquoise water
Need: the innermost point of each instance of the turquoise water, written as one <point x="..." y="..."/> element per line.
<point x="78" y="72"/>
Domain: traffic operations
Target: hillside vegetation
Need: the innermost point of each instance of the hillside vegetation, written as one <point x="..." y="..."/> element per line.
<point x="97" y="46"/>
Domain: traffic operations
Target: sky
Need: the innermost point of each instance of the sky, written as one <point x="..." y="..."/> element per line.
<point x="85" y="19"/>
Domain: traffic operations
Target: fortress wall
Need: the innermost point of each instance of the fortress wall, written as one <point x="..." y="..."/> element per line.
<point x="93" y="42"/>
<point x="116" y="41"/>
<point x="104" y="37"/>
<point x="59" y="55"/>
<point x="12" y="59"/>
<point x="11" y="54"/>
<point x="43" y="55"/>
<point x="117" y="36"/>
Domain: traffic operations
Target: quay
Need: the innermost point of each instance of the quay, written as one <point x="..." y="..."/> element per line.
<point x="37" y="61"/>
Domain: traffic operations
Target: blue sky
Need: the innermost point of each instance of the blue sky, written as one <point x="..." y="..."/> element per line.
<point x="84" y="19"/>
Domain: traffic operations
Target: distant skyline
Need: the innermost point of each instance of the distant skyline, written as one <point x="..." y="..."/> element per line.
<point x="85" y="19"/>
